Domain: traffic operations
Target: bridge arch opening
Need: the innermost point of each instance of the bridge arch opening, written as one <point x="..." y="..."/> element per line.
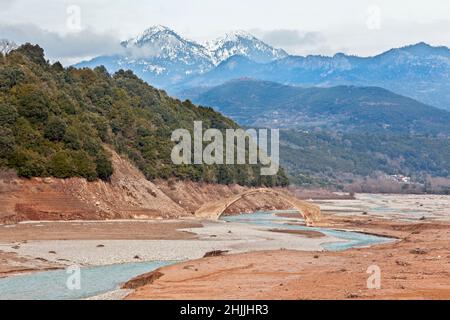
<point x="214" y="210"/>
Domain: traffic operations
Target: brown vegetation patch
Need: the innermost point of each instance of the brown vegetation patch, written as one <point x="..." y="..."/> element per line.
<point x="306" y="233"/>
<point x="142" y="280"/>
<point x="215" y="253"/>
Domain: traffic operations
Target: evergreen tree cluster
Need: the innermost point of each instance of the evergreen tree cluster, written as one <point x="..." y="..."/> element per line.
<point x="56" y="121"/>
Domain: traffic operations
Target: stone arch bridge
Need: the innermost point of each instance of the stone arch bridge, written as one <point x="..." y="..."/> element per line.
<point x="214" y="209"/>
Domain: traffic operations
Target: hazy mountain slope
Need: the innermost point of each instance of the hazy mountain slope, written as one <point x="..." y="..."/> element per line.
<point x="343" y="135"/>
<point x="341" y="159"/>
<point x="342" y="108"/>
<point x="241" y="43"/>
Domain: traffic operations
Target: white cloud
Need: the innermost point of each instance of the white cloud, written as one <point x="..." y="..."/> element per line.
<point x="299" y="26"/>
<point x="67" y="48"/>
<point x="293" y="41"/>
<point x="6" y="4"/>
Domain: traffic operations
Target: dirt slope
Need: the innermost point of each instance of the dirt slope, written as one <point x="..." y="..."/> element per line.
<point x="128" y="195"/>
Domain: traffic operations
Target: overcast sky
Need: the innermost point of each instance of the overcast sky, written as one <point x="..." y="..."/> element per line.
<point x="361" y="27"/>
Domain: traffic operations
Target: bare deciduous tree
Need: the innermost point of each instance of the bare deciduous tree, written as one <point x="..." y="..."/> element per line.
<point x="6" y="46"/>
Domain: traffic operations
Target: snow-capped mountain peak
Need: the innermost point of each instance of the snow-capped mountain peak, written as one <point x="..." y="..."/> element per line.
<point x="149" y="34"/>
<point x="161" y="56"/>
<point x="244" y="44"/>
<point x="160" y="35"/>
<point x="162" y="43"/>
<point x="233" y="36"/>
<point x="156" y="29"/>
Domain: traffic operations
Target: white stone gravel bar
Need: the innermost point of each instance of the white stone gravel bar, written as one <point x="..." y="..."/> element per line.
<point x="234" y="237"/>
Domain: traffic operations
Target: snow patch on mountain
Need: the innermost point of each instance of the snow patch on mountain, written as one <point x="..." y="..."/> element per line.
<point x="244" y="44"/>
<point x="160" y="51"/>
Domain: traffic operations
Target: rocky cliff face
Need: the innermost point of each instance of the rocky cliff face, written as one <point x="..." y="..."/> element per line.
<point x="129" y="195"/>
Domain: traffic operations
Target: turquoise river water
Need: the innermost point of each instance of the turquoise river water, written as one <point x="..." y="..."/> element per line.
<point x="50" y="285"/>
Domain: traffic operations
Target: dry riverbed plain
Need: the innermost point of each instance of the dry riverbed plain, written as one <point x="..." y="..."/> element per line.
<point x="417" y="266"/>
<point x="92" y="243"/>
<point x="259" y="262"/>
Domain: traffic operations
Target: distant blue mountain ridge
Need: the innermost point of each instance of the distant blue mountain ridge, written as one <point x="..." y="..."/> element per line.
<point x="257" y="103"/>
<point x="419" y="71"/>
<point x="166" y="60"/>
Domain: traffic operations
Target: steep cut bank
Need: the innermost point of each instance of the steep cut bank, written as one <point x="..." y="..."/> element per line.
<point x="128" y="195"/>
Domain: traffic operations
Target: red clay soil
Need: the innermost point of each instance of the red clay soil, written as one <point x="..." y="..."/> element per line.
<point x="129" y="195"/>
<point x="415" y="267"/>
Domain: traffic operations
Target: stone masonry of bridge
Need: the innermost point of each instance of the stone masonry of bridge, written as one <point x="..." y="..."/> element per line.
<point x="213" y="210"/>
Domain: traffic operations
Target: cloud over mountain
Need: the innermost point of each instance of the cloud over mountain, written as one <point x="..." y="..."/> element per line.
<point x="69" y="47"/>
<point x="162" y="57"/>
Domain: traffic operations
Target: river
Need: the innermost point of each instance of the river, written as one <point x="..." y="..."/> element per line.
<point x="96" y="280"/>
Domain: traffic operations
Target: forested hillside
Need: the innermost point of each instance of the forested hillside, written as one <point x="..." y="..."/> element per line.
<point x="338" y="159"/>
<point x="341" y="135"/>
<point x="342" y="108"/>
<point x="56" y="121"/>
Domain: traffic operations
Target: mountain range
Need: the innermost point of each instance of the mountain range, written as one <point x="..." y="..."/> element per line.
<point x="343" y="118"/>
<point x="165" y="59"/>
<point x="341" y="135"/>
<point x="54" y="122"/>
<point x="418" y="71"/>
